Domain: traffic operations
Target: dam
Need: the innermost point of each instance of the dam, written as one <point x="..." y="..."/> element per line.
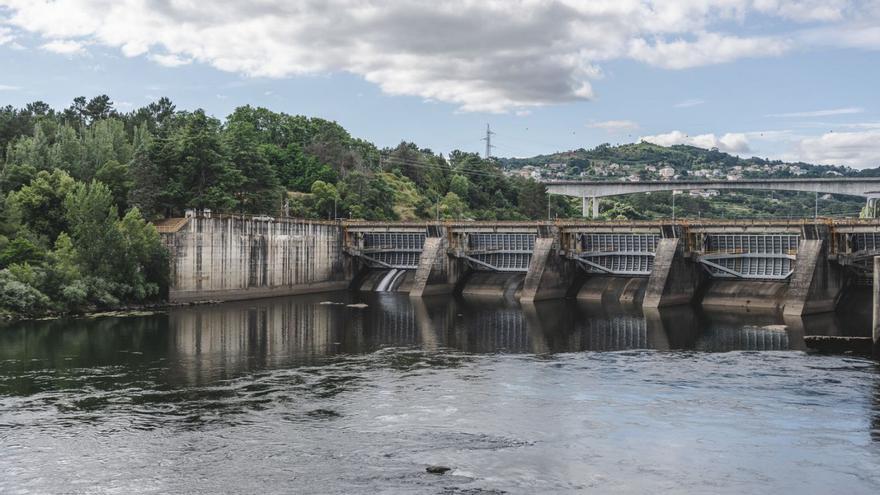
<point x="798" y="267"/>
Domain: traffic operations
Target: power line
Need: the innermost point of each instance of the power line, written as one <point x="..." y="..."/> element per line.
<point x="403" y="161"/>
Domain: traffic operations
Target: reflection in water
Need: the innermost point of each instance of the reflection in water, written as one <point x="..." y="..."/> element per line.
<point x="204" y="343"/>
<point x="356" y="392"/>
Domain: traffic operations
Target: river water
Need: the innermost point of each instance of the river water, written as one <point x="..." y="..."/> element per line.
<point x="314" y="395"/>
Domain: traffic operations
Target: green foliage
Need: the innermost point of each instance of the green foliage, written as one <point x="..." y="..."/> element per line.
<point x="91" y="214"/>
<point x="325" y="199"/>
<point x="103" y="262"/>
<point x="39" y="205"/>
<point x="145" y="183"/>
<point x="368" y="196"/>
<point x="141" y="257"/>
<point x="20" y="250"/>
<point x="258" y="190"/>
<point x="15" y="175"/>
<point x="452" y="207"/>
<point x="20" y="298"/>
<point x="115" y="176"/>
<point x="459" y="185"/>
<point x="164" y="161"/>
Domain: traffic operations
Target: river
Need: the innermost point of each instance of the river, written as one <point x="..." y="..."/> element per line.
<point x="359" y="392"/>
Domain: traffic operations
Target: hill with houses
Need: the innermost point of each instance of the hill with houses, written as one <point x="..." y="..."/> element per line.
<point x="645" y="161"/>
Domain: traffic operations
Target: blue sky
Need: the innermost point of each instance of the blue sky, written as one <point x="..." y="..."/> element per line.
<point x="790" y="80"/>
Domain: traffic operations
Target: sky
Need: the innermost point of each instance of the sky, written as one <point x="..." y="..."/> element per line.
<point x="791" y="80"/>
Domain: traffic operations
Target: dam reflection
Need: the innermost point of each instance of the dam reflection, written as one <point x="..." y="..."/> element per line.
<point x="198" y="344"/>
<point x="273" y="332"/>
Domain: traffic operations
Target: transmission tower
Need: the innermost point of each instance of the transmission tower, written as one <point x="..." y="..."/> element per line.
<point x="488" y="140"/>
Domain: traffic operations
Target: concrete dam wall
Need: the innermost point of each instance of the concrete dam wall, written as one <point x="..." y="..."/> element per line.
<point x="217" y="257"/>
<point x="799" y="267"/>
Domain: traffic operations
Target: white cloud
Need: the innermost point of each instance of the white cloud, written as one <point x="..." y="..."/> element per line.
<point x="731" y="142"/>
<point x="805" y="11"/>
<point x="494" y="55"/>
<point x="706" y="49"/>
<point x="819" y="113"/>
<point x="65" y="47"/>
<point x="614" y="125"/>
<point x="689" y="103"/>
<point x="169" y="59"/>
<point x="6" y="87"/>
<point x="856" y="149"/>
<point x="6" y="35"/>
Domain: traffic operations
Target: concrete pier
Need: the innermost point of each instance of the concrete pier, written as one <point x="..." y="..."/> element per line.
<point x="673" y="280"/>
<point x="549" y="276"/>
<point x="814" y="286"/>
<point x="435" y="272"/>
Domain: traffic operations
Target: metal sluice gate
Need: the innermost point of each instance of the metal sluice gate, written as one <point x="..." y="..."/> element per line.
<point x="399" y="250"/>
<point x="858" y="252"/>
<point x="617" y="254"/>
<point x="500" y="252"/>
<point x="749" y="256"/>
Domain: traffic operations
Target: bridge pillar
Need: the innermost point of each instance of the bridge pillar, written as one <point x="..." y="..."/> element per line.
<point x="876" y="320"/>
<point x="586" y="202"/>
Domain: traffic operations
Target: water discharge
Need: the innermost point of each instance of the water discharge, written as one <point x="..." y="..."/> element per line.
<point x="311" y="395"/>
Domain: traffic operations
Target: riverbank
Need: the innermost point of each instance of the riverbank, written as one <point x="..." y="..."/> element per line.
<point x="7" y="318"/>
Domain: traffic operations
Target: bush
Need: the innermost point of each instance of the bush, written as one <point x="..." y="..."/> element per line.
<point x="20" y="297"/>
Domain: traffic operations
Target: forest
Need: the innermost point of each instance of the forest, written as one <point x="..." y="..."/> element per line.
<point x="80" y="186"/>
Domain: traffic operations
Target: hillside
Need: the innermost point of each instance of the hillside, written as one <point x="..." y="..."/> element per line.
<point x="645" y="161"/>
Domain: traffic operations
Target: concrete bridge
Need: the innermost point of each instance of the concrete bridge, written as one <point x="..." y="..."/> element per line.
<point x="591" y="191"/>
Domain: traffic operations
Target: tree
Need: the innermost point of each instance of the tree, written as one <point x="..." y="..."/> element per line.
<point x="193" y="160"/>
<point x="452" y="207"/>
<point x="259" y="190"/>
<point x="143" y="262"/>
<point x="91" y="214"/>
<point x="67" y="152"/>
<point x="20" y="250"/>
<point x="532" y="199"/>
<point x="98" y="108"/>
<point x="40" y="204"/>
<point x="145" y="181"/>
<point x="325" y="199"/>
<point x="115" y="176"/>
<point x="459" y="185"/>
<point x="15" y="175"/>
<point x="104" y="141"/>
